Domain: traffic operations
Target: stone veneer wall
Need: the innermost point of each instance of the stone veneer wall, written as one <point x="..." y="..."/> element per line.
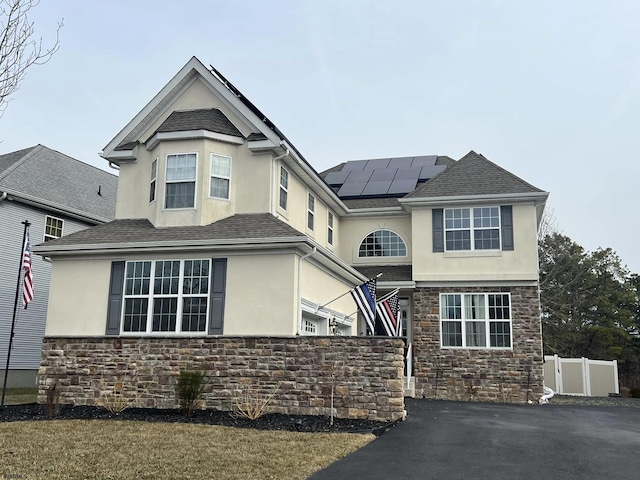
<point x="478" y="374"/>
<point x="366" y="372"/>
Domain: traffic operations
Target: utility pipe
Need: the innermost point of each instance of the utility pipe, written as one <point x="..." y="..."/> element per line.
<point x="548" y="394"/>
<point x="300" y="288"/>
<point x="3" y="196"/>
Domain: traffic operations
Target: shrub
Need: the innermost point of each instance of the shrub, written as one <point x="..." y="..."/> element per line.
<point x="189" y="390"/>
<point x="635" y="392"/>
<point x="252" y="404"/>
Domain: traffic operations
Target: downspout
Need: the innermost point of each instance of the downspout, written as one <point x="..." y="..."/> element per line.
<point x="274" y="189"/>
<point x="3" y="196"/>
<point x="298" y="330"/>
<point x="114" y="166"/>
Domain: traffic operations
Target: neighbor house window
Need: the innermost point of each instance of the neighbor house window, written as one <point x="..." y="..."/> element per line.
<point x="52" y="228"/>
<point x="284" y="188"/>
<point x="472" y="228"/>
<point x="181" y="181"/>
<point x="382" y="243"/>
<point x="220" y="176"/>
<point x="169" y="296"/>
<point x="471" y="320"/>
<point x="330" y="228"/>
<point x="154" y="176"/>
<point x="311" y="211"/>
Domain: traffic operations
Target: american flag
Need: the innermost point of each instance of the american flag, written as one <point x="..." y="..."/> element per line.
<point x="27" y="286"/>
<point x="387" y="310"/>
<point x="365" y="298"/>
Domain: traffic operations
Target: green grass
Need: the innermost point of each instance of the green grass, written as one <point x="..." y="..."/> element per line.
<point x="80" y="449"/>
<point x="17" y="396"/>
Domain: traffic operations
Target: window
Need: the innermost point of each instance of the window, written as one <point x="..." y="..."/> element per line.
<point x="52" y="228"/>
<point x="311" y="207"/>
<point x="484" y="235"/>
<point x="168" y="296"/>
<point x="181" y="181"/>
<point x="383" y="243"/>
<point x="284" y="188"/>
<point x="220" y="176"/>
<point x="475" y="320"/>
<point x="330" y="228"/>
<point x="154" y="175"/>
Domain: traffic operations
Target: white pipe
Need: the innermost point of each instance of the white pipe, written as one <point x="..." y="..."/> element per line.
<point x="115" y="167"/>
<point x="3" y="196"/>
<point x="548" y="394"/>
<point x="300" y="287"/>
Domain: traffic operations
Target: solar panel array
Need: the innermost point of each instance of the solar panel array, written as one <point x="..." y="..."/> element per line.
<point x="383" y="176"/>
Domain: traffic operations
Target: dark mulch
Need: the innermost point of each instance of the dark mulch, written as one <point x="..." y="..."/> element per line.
<point x="294" y="423"/>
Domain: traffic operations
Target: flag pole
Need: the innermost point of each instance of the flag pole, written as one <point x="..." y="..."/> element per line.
<point x="345" y="293"/>
<point x="15" y="311"/>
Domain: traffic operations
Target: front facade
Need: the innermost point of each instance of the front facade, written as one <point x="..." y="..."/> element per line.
<point x="57" y="195"/>
<point x="224" y="229"/>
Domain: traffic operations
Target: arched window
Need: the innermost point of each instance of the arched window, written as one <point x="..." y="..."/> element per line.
<point x="383" y="243"/>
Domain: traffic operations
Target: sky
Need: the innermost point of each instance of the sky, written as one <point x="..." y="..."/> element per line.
<point x="548" y="90"/>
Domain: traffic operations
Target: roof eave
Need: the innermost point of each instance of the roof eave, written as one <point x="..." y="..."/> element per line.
<point x="536" y="197"/>
<point x="56" y="207"/>
<point x="192" y="134"/>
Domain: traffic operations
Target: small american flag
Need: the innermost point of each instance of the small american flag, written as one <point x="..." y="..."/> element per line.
<point x="27" y="286"/>
<point x="387" y="310"/>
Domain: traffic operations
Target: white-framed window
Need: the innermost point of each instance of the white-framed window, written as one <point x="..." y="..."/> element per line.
<point x="181" y="180"/>
<point x="284" y="187"/>
<point x="311" y="211"/>
<point x="382" y="243"/>
<point x="152" y="184"/>
<point x="168" y="296"/>
<point x="220" y="184"/>
<point x="472" y="228"/>
<point x="309" y="327"/>
<point x="330" y="228"/>
<point x="52" y="228"/>
<point x="475" y="320"/>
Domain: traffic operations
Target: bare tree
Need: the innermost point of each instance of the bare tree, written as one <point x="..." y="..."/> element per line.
<point x="19" y="50"/>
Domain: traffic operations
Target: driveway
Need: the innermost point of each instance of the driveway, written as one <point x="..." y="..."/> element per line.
<point x="456" y="440"/>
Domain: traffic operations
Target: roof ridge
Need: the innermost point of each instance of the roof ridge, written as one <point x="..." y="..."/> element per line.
<point x="16" y="164"/>
<point x="513" y="175"/>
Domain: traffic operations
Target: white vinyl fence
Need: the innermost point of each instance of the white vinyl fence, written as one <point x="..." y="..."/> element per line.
<point x="581" y="376"/>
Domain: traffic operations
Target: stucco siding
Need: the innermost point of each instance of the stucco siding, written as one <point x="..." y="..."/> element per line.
<point x="354" y="230"/>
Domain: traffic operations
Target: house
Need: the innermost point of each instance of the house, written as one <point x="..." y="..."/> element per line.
<point x="58" y="195"/>
<point x="224" y="232"/>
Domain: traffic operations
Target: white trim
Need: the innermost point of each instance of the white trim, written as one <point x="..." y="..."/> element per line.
<point x="154" y="179"/>
<point x="258" y="145"/>
<point x="166" y="182"/>
<point x="473" y="199"/>
<point x="46" y="205"/>
<point x="211" y="176"/>
<point x="366" y="257"/>
<point x="472" y="229"/>
<point x="285" y="188"/>
<point x="331" y="233"/>
<point x="311" y="210"/>
<point x="51" y="237"/>
<point x="192" y="134"/>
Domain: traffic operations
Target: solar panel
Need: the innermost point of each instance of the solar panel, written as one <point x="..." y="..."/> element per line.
<point x="377" y="163"/>
<point x="354" y="165"/>
<point x="408" y="173"/>
<point x="383" y="174"/>
<point x="351" y="189"/>
<point x="430" y="171"/>
<point x="424" y="160"/>
<point x="403" y="186"/>
<point x="359" y="176"/>
<point x="336" y="178"/>
<point x="377" y="188"/>
<point x="402" y="162"/>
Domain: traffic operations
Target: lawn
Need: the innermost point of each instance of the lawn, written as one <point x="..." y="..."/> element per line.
<point x="16" y="396"/>
<point x="96" y="449"/>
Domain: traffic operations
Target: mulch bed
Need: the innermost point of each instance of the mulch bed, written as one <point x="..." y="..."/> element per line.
<point x="295" y="423"/>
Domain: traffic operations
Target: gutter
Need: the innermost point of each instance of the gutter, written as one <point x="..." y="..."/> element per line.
<point x="516" y="197"/>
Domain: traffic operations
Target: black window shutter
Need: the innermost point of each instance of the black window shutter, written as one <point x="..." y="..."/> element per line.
<point x="218" y="288"/>
<point x="438" y="230"/>
<point x="506" y="219"/>
<point x="114" y="308"/>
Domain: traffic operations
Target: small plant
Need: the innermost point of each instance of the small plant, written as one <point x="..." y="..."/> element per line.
<point x="116" y="399"/>
<point x="189" y="390"/>
<point x="51" y="406"/>
<point x="252" y="404"/>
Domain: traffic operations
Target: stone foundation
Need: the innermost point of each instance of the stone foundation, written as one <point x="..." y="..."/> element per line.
<point x="514" y="375"/>
<point x="364" y="373"/>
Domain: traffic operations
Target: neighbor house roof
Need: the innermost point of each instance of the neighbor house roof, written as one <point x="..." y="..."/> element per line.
<point x="473" y="174"/>
<point x="45" y="177"/>
<point x="245" y="226"/>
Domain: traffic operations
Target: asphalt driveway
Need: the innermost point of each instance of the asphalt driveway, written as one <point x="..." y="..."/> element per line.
<point x="456" y="440"/>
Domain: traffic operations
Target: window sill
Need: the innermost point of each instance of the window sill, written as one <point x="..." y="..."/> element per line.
<point x="477" y="348"/>
<point x="472" y="253"/>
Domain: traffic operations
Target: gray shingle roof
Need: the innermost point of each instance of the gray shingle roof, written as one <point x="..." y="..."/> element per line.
<point x="256" y="136"/>
<point x="210" y="119"/>
<point x="390" y="273"/>
<point x="59" y="181"/>
<point x="473" y="174"/>
<point x="373" y="202"/>
<point x="127" y="231"/>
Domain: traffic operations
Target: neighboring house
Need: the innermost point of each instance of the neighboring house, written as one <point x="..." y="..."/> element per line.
<point x="224" y="229"/>
<point x="58" y="195"/>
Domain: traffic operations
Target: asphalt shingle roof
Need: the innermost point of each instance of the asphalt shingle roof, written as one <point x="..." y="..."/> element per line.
<point x="59" y="181"/>
<point x="211" y="119"/>
<point x="127" y="231"/>
<point x="473" y="174"/>
<point x="371" y="202"/>
<point x="390" y="273"/>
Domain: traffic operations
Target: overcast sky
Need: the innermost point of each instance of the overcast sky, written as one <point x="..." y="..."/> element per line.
<point x="548" y="90"/>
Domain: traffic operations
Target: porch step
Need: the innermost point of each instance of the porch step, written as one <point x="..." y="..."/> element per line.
<point x="410" y="391"/>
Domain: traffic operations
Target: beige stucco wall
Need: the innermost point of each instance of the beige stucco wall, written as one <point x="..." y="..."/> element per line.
<point x="519" y="264"/>
<point x="354" y="230"/>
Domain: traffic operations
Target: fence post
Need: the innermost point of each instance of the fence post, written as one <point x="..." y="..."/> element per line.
<point x="558" y="373"/>
<point x="587" y="376"/>
<point x="615" y="376"/>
